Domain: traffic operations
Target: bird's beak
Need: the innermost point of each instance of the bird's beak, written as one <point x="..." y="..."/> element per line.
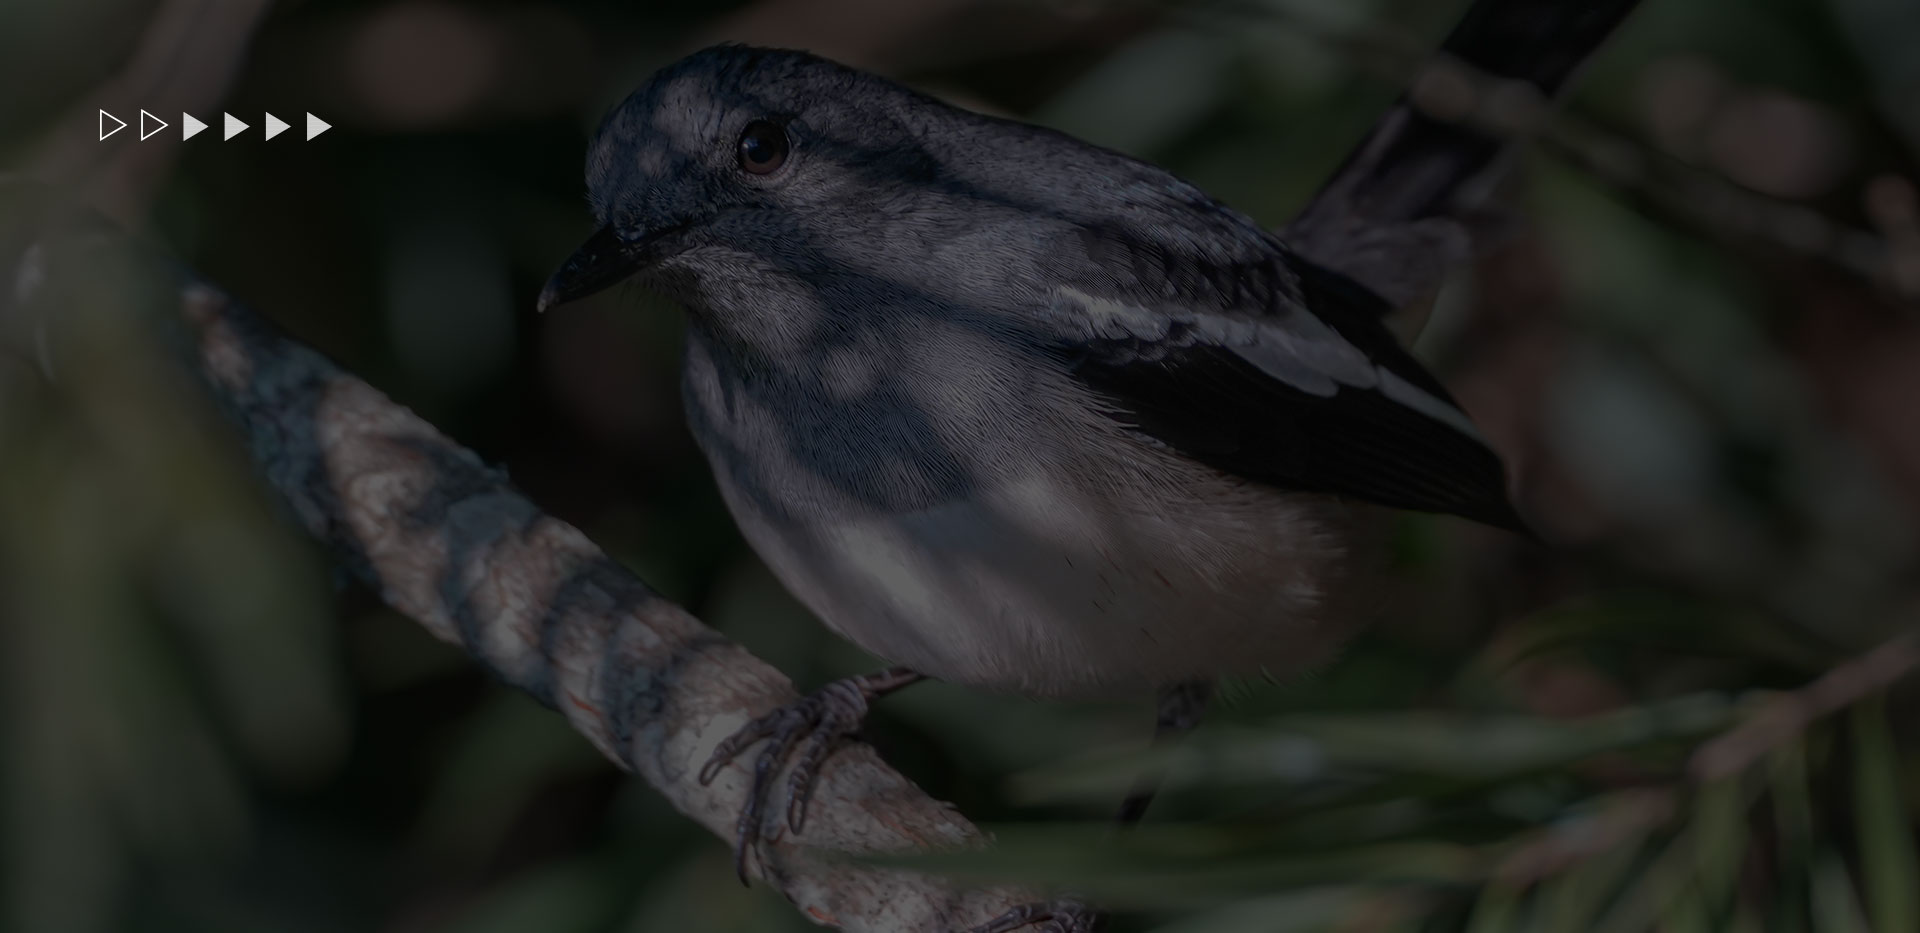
<point x="602" y="262"/>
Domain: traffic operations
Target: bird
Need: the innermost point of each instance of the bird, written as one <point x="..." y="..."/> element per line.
<point x="1006" y="408"/>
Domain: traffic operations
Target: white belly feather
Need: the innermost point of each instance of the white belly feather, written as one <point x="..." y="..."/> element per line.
<point x="1031" y="591"/>
<point x="1080" y="559"/>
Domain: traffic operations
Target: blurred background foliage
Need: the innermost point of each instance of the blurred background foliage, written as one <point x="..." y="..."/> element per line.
<point x="1692" y="332"/>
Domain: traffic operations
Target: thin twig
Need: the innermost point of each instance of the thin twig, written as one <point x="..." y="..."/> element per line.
<point x="1627" y="817"/>
<point x="1789" y="714"/>
<point x="1631" y="815"/>
<point x="1454" y="94"/>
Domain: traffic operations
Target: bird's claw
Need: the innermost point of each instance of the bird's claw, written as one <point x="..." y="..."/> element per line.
<point x="1059" y="916"/>
<point x="814" y="724"/>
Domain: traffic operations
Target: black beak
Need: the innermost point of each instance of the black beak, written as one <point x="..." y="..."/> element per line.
<point x="602" y="262"/>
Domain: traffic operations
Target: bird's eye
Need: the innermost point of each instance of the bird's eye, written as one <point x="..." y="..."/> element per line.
<point x="763" y="147"/>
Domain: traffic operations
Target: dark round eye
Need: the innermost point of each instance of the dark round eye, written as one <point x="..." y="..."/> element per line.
<point x="763" y="147"/>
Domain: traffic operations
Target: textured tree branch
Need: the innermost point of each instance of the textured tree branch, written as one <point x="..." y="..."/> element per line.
<point x="1787" y="716"/>
<point x="450" y="543"/>
<point x="447" y="541"/>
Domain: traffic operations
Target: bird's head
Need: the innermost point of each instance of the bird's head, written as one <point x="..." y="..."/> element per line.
<point x="745" y="156"/>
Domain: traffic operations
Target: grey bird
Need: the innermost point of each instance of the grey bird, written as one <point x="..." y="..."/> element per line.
<point x="1006" y="408"/>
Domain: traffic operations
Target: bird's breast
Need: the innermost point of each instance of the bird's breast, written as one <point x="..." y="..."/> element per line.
<point x="1074" y="559"/>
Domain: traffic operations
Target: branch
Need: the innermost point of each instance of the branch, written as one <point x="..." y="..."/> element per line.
<point x="1383" y="218"/>
<point x="447" y="541"/>
<point x="1632" y="814"/>
<point x="1787" y="716"/>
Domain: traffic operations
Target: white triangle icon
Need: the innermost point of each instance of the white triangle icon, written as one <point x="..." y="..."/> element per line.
<point x="190" y="126"/>
<point x="118" y="124"/>
<point x="158" y="124"/>
<point x="275" y="126"/>
<point x="316" y="126"/>
<point x="234" y="127"/>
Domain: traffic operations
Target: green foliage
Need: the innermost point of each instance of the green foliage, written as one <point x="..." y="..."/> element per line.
<point x="1493" y="822"/>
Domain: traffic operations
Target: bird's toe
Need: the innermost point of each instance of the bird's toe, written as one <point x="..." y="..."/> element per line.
<point x="1057" y="916"/>
<point x="804" y="732"/>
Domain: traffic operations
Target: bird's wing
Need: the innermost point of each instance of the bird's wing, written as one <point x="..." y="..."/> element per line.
<point x="1222" y="346"/>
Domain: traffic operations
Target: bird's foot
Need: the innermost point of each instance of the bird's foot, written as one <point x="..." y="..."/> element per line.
<point x="1059" y="916"/>
<point x="806" y="731"/>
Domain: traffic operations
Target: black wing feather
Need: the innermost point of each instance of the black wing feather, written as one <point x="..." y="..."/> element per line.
<point x="1213" y="405"/>
<point x="1217" y="408"/>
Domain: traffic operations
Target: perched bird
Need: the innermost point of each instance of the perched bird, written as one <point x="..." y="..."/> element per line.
<point x="1006" y="408"/>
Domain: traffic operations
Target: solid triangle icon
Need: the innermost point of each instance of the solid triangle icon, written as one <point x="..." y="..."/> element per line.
<point x="118" y="124"/>
<point x="275" y="126"/>
<point x="316" y="126"/>
<point x="234" y="126"/>
<point x="189" y="126"/>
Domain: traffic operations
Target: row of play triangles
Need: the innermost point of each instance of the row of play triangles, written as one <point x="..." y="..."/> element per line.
<point x="189" y="126"/>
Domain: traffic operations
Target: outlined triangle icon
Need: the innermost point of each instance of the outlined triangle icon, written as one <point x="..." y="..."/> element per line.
<point x="118" y="124"/>
<point x="150" y="124"/>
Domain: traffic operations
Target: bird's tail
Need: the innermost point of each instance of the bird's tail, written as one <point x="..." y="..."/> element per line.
<point x="1389" y="216"/>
